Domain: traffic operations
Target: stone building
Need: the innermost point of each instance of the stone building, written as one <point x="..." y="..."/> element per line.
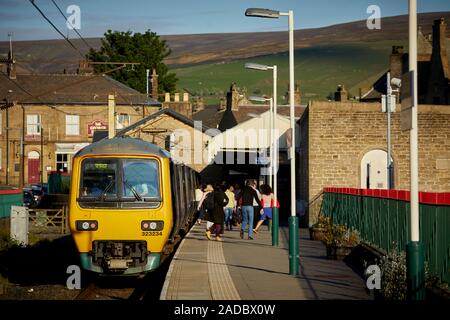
<point x="183" y="106"/>
<point x="46" y="118"/>
<point x="433" y="54"/>
<point x="343" y="144"/>
<point x="178" y="134"/>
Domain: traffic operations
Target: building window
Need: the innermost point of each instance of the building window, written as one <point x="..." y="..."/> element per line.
<point x="33" y="124"/>
<point x="1" y="159"/>
<point x="122" y="120"/>
<point x="72" y="125"/>
<point x="1" y="125"/>
<point x="62" y="162"/>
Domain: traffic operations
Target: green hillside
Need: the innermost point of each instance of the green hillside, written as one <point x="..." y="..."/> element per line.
<point x="319" y="69"/>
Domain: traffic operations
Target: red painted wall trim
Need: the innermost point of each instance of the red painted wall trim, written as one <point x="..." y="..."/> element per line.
<point x="436" y="198"/>
<point x="18" y="191"/>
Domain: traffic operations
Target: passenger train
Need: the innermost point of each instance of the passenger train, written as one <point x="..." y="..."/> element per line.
<point x="128" y="202"/>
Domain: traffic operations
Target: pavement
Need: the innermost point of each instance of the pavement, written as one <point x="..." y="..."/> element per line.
<point x="241" y="269"/>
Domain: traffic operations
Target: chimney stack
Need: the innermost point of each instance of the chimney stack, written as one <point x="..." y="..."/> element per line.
<point x="341" y="94"/>
<point x="154" y="83"/>
<point x="11" y="67"/>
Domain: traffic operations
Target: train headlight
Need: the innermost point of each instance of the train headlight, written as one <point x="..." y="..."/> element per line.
<point x="152" y="225"/>
<point x="87" y="225"/>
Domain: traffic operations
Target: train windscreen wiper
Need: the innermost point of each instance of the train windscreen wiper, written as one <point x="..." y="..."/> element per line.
<point x="135" y="193"/>
<point x="102" y="196"/>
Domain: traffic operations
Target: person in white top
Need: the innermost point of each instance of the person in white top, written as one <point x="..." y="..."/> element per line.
<point x="206" y="215"/>
<point x="198" y="198"/>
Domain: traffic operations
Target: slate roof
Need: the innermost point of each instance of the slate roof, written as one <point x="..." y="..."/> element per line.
<point x="424" y="54"/>
<point x="69" y="89"/>
<point x="167" y="111"/>
<point x="226" y="119"/>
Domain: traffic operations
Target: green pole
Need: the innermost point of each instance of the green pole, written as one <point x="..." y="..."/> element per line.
<point x="275" y="224"/>
<point x="294" y="255"/>
<point x="415" y="270"/>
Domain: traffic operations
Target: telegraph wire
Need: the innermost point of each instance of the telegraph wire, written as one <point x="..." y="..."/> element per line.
<point x="62" y="13"/>
<point x="51" y="23"/>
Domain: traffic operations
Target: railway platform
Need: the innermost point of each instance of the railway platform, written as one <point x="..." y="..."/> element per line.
<point x="241" y="269"/>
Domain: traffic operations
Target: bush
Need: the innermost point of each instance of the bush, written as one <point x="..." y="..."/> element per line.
<point x="323" y="222"/>
<point x="394" y="276"/>
<point x="339" y="236"/>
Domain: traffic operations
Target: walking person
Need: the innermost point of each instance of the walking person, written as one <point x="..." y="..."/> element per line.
<point x="267" y="203"/>
<point x="237" y="214"/>
<point x="229" y="208"/>
<point x="198" y="197"/>
<point x="206" y="204"/>
<point x="246" y="198"/>
<point x="218" y="215"/>
<point x="256" y="205"/>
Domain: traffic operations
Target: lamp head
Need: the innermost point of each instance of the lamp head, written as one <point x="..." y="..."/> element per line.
<point x="262" y="13"/>
<point x="257" y="66"/>
<point x="396" y="82"/>
<point x="258" y="99"/>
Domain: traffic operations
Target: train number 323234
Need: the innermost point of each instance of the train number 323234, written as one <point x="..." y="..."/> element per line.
<point x="151" y="233"/>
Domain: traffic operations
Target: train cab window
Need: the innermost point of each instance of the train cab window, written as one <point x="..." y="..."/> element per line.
<point x="98" y="178"/>
<point x="140" y="179"/>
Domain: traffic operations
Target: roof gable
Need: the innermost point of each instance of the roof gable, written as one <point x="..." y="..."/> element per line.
<point x="159" y="113"/>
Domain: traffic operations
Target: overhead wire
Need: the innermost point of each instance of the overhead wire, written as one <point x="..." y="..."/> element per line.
<point x="57" y="30"/>
<point x="74" y="29"/>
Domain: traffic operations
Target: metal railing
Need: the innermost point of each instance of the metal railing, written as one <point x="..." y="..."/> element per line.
<point x="383" y="217"/>
<point x="315" y="207"/>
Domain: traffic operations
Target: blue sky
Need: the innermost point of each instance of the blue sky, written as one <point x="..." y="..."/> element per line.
<point x="188" y="16"/>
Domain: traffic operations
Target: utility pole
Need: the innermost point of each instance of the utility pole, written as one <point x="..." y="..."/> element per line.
<point x="42" y="155"/>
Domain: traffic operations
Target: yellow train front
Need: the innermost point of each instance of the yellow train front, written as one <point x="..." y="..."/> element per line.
<point x="121" y="211"/>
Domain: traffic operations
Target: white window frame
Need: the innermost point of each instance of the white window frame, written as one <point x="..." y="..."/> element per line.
<point x="121" y="125"/>
<point x="72" y="125"/>
<point x="68" y="161"/>
<point x="34" y="128"/>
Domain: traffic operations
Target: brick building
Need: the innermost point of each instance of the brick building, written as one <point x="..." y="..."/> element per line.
<point x="45" y="119"/>
<point x="176" y="133"/>
<point x="343" y="144"/>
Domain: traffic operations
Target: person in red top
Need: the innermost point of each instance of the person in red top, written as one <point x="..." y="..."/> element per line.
<point x="267" y="203"/>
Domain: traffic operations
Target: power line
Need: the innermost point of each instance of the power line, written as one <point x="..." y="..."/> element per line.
<point x="51" y="23"/>
<point x="62" y="13"/>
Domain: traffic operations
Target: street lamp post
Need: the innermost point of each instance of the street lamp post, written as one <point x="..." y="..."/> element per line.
<point x="273" y="148"/>
<point x="415" y="249"/>
<point x="293" y="219"/>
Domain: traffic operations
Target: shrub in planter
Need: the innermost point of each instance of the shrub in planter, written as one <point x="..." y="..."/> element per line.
<point x="394" y="276"/>
<point x="318" y="230"/>
<point x="340" y="241"/>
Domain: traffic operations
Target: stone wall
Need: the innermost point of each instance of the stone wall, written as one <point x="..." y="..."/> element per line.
<point x="335" y="137"/>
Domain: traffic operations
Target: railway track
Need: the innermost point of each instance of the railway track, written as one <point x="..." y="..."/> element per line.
<point x="143" y="288"/>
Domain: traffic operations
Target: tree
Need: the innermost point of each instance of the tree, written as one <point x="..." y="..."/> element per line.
<point x="145" y="48"/>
